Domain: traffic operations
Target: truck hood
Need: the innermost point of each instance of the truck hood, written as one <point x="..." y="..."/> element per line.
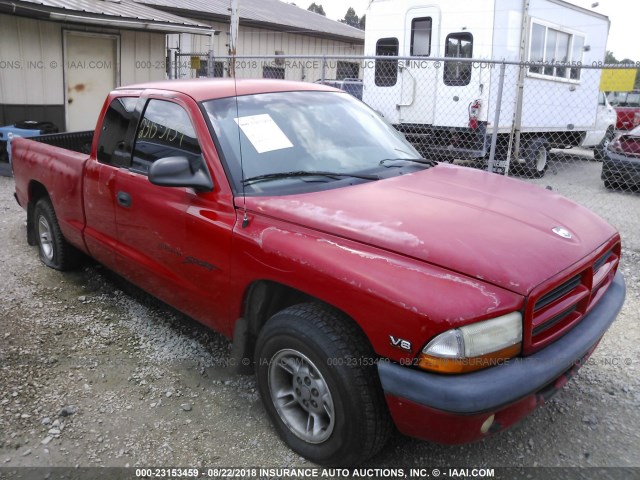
<point x="493" y="228"/>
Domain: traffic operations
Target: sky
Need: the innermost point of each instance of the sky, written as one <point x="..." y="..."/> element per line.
<point x="624" y="16"/>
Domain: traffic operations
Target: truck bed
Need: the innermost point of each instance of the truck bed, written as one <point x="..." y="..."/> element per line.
<point x="54" y="163"/>
<point x="75" y="141"/>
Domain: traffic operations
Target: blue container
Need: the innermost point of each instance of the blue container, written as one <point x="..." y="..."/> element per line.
<point x="9" y="131"/>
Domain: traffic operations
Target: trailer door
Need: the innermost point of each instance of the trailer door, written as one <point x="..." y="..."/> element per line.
<point x="459" y="85"/>
<point x="418" y="76"/>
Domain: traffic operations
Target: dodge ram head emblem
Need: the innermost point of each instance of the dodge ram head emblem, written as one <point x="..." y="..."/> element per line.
<point x="562" y="232"/>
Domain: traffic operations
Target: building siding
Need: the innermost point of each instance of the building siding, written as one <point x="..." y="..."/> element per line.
<point x="32" y="73"/>
<point x="263" y="42"/>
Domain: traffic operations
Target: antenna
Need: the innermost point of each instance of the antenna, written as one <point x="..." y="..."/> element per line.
<point x="233" y="38"/>
<point x="245" y="218"/>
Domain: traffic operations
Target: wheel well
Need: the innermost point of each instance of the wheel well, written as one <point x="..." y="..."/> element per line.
<point x="263" y="299"/>
<point x="36" y="192"/>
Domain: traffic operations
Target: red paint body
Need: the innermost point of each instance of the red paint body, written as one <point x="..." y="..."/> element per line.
<point x="411" y="256"/>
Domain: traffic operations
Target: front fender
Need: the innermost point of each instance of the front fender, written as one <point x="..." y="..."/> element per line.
<point x="385" y="292"/>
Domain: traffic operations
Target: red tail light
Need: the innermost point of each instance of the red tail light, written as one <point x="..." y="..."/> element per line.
<point x="474" y="113"/>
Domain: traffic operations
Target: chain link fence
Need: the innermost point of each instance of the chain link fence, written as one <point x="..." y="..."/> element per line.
<point x="548" y="124"/>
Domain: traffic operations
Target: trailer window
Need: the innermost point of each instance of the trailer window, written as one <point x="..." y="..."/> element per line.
<point x="458" y="45"/>
<point x="555" y="51"/>
<point x="387" y="70"/>
<point x="421" y="37"/>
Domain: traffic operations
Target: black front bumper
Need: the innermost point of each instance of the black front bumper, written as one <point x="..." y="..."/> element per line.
<point x="495" y="387"/>
<point x="620" y="169"/>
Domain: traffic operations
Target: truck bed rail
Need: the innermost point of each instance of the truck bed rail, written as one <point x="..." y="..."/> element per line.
<point x="76" y="141"/>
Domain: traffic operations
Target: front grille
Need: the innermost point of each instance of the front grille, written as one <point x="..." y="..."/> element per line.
<point x="552" y="312"/>
<point x="558" y="292"/>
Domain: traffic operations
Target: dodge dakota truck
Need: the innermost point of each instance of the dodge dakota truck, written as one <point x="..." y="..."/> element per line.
<point x="365" y="286"/>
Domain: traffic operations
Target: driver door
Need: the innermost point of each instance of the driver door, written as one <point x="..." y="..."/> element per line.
<point x="174" y="241"/>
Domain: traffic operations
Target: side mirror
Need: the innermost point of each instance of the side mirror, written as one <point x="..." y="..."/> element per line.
<point x="181" y="172"/>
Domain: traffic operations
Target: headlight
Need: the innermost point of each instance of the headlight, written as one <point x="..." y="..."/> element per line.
<point x="475" y="346"/>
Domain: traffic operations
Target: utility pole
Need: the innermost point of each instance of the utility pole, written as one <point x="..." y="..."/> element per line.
<point x="521" y="75"/>
<point x="233" y="37"/>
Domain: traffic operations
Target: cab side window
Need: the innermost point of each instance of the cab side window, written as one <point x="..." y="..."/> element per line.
<point x="164" y="131"/>
<point x="111" y="145"/>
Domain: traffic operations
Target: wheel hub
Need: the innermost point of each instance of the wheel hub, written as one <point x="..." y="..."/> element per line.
<point x="301" y="396"/>
<point x="44" y="233"/>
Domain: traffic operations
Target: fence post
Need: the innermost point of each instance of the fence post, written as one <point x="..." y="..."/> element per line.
<point x="211" y="64"/>
<point x="496" y="122"/>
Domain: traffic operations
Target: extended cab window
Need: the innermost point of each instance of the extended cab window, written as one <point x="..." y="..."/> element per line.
<point x="165" y="131"/>
<point x="458" y="45"/>
<point x="111" y="145"/>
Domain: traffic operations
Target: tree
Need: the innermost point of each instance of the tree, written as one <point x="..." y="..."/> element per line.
<point x="350" y="18"/>
<point x="363" y="22"/>
<point x="610" y="58"/>
<point x="317" y="9"/>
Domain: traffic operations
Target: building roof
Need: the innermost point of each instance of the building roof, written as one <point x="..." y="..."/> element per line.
<point x="271" y="14"/>
<point x="112" y="13"/>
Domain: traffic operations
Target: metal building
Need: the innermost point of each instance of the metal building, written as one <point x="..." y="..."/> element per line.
<point x="270" y="28"/>
<point x="59" y="58"/>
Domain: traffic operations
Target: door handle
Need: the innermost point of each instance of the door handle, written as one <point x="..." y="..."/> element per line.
<point x="124" y="199"/>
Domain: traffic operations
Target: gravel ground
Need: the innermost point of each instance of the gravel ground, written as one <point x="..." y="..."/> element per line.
<point x="96" y="373"/>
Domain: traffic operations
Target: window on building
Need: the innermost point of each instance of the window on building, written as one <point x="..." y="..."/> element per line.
<point x="346" y="70"/>
<point x="386" y="74"/>
<point x="111" y="145"/>
<point x="554" y="49"/>
<point x="165" y="131"/>
<point x="273" y="72"/>
<point x="458" y="45"/>
<point x="421" y="37"/>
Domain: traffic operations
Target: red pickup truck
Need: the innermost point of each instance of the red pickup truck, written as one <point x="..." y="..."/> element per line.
<point x="363" y="284"/>
<point x="627" y="106"/>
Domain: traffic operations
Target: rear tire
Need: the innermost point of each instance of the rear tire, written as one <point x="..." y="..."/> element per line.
<point x="536" y="159"/>
<point x="609" y="185"/>
<point x="318" y="379"/>
<point x="599" y="152"/>
<point x="54" y="250"/>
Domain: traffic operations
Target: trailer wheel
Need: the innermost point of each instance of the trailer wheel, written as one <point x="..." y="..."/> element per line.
<point x="54" y="250"/>
<point x="535" y="160"/>
<point x="317" y="376"/>
<point x="601" y="148"/>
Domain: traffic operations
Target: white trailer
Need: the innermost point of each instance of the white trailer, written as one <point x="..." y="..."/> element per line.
<point x="444" y="93"/>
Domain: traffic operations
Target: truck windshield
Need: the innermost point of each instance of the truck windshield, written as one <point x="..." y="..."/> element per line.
<point x="624" y="99"/>
<point x="303" y="131"/>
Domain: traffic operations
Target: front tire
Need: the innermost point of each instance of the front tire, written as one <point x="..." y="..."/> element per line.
<point x="599" y="152"/>
<point x="317" y="377"/>
<point x="54" y="250"/>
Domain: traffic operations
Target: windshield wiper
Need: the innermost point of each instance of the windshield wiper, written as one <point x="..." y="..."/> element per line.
<point x="422" y="161"/>
<point x="305" y="173"/>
